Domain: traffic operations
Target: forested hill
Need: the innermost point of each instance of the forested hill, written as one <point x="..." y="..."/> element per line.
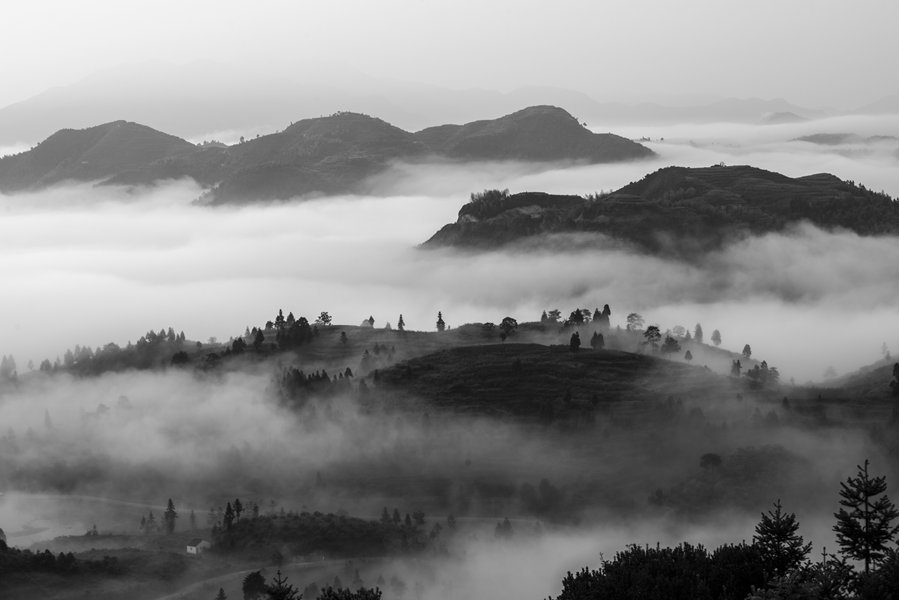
<point x="326" y="155"/>
<point x="676" y="210"/>
<point x="96" y="153"/>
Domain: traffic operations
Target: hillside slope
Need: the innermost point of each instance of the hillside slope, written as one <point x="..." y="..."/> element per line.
<point x="96" y="153"/>
<point x="677" y="210"/>
<point x="534" y="379"/>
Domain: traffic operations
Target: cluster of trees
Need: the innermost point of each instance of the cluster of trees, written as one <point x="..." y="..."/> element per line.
<point x="15" y="562"/>
<point x="775" y="566"/>
<point x="151" y="350"/>
<point x="579" y="317"/>
<point x="290" y="332"/>
<point x="759" y="376"/>
<point x="297" y="387"/>
<point x="335" y="535"/>
<point x="149" y="524"/>
<point x="255" y="587"/>
<point x="222" y="520"/>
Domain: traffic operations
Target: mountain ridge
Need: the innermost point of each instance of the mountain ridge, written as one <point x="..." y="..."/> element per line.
<point x="323" y="155"/>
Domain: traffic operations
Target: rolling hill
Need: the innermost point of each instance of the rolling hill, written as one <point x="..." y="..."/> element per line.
<point x="326" y="155"/>
<point x="108" y="150"/>
<point x="538" y="133"/>
<point x="676" y="211"/>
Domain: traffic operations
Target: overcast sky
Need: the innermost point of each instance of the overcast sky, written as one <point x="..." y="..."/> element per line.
<point x="812" y="52"/>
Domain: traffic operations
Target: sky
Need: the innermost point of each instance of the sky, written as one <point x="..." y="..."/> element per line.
<point x="812" y="52"/>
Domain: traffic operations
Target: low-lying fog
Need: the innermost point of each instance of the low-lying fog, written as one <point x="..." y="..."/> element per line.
<point x="88" y="266"/>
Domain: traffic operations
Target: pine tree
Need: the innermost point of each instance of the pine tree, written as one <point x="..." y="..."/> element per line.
<point x="221" y="595"/>
<point x="401" y="324"/>
<point x="169" y="517"/>
<point x="238" y="508"/>
<point x="253" y="585"/>
<point x="440" y="324"/>
<point x="777" y="540"/>
<point x="716" y="337"/>
<point x="229" y="517"/>
<point x="697" y="333"/>
<point x="865" y="529"/>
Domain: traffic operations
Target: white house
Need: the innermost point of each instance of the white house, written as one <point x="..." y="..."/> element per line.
<point x="198" y="546"/>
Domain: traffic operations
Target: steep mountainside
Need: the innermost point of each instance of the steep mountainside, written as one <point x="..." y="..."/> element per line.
<point x="326" y="155"/>
<point x="112" y="149"/>
<point x="677" y="210"/>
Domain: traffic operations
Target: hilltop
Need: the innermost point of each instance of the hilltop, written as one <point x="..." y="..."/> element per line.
<point x="112" y="149"/>
<point x="523" y="379"/>
<point x="538" y="133"/>
<point x="676" y="210"/>
<point x="336" y="154"/>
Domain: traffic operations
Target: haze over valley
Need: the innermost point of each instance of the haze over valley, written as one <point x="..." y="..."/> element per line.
<point x="423" y="302"/>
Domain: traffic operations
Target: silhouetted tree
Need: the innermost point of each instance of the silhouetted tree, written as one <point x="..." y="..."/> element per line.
<point x="221" y="595"/>
<point x="716" y="338"/>
<point x="576" y="317"/>
<point x="507" y="327"/>
<point x="258" y="340"/>
<point x="440" y="324"/>
<point x="670" y="346"/>
<point x="238" y="508"/>
<point x="778" y="541"/>
<point x="747" y="352"/>
<point x="169" y="517"/>
<point x="597" y="342"/>
<point x="401" y="324"/>
<point x="653" y="336"/>
<point x="688" y="355"/>
<point x="554" y="316"/>
<point x="865" y="530"/>
<point x="228" y="519"/>
<point x="253" y="586"/>
<point x="279" y="589"/>
<point x="343" y="337"/>
<point x="193" y="520"/>
<point x="575" y="342"/>
<point x="697" y="333"/>
<point x="634" y="322"/>
<point x="323" y="319"/>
